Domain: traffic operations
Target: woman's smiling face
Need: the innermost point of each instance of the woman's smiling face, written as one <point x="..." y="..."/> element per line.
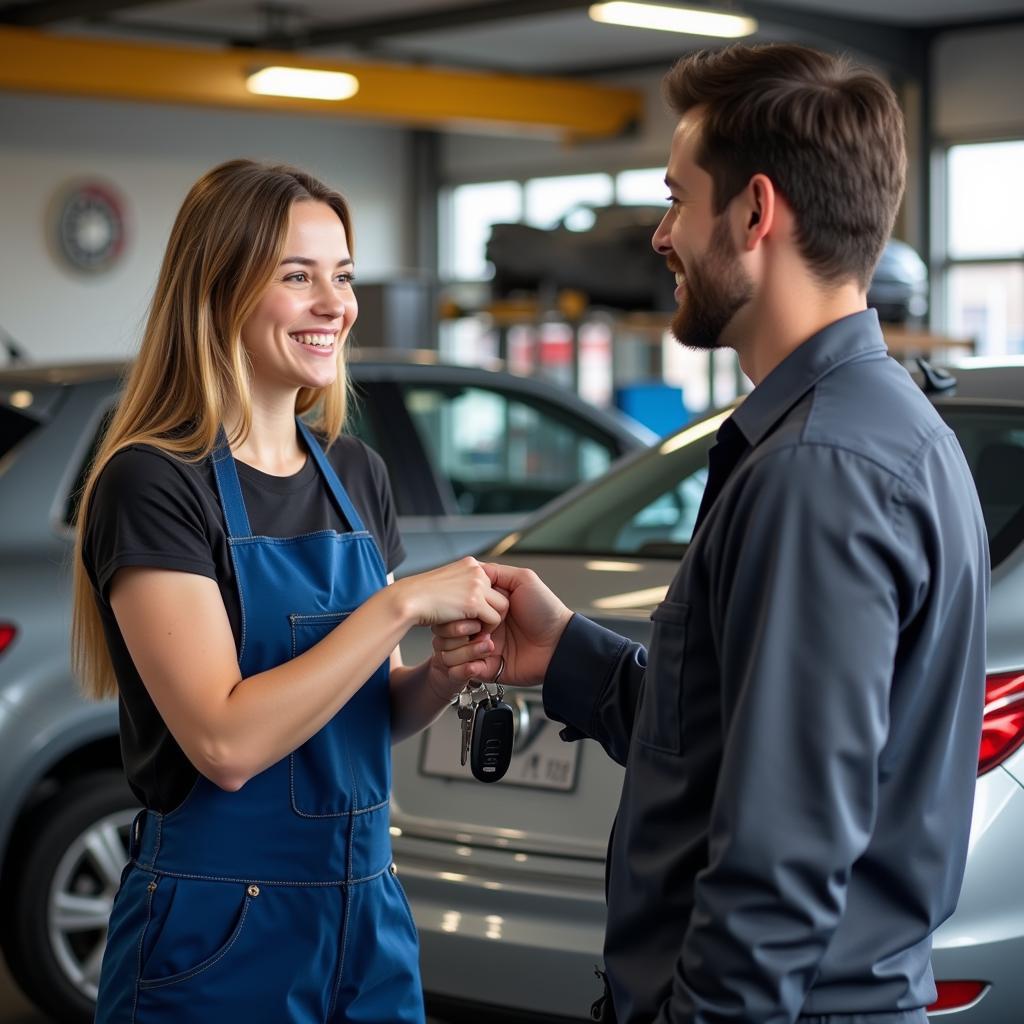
<point x="296" y="332"/>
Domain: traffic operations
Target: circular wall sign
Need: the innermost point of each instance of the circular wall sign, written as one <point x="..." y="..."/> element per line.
<point x="90" y="226"/>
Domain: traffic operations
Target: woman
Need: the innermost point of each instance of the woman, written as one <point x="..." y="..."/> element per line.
<point x="228" y="590"/>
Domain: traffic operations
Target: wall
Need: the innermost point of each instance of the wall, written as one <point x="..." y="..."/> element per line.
<point x="978" y="83"/>
<point x="152" y="154"/>
<point x="480" y="158"/>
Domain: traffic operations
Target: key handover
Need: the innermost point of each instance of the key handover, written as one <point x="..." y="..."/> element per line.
<point x="486" y="728"/>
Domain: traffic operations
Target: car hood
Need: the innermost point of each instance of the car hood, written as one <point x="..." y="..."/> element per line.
<point x="618" y="592"/>
<point x="572" y="823"/>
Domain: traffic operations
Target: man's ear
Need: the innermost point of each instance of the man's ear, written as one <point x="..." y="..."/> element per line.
<point x="757" y="210"/>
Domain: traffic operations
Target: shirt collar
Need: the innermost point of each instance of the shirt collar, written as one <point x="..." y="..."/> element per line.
<point x="850" y="338"/>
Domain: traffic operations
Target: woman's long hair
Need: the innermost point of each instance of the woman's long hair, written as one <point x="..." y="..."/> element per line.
<point x="191" y="369"/>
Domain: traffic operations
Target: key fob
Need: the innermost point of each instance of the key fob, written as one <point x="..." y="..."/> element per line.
<point x="491" y="750"/>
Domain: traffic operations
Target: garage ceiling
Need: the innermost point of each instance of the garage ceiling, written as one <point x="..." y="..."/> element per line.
<point x="526" y="36"/>
<point x="495" y="65"/>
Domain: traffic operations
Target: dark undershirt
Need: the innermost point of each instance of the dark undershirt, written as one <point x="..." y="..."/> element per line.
<point x="151" y="509"/>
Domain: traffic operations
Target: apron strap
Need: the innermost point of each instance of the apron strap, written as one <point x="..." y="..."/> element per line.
<point x="229" y="489"/>
<point x="341" y="498"/>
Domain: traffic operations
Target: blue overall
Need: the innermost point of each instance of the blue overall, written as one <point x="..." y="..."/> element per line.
<point x="276" y="904"/>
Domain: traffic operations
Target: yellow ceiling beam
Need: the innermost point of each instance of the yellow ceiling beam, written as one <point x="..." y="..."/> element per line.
<point x="33" y="61"/>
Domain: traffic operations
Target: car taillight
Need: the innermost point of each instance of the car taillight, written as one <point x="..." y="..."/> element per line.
<point x="1002" y="730"/>
<point x="7" y="634"/>
<point x="957" y="995"/>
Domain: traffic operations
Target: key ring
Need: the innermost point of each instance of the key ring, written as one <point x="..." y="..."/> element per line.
<point x="476" y="684"/>
<point x="501" y="668"/>
<point x="499" y="690"/>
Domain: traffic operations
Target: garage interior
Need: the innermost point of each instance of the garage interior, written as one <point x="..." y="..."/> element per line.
<point x="529" y="115"/>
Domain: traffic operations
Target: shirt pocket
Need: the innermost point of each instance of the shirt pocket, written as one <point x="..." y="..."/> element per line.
<point x="659" y="715"/>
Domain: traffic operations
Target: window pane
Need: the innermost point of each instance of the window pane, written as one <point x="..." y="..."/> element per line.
<point x="502" y="455"/>
<point x="641" y="187"/>
<point x="474" y="208"/>
<point x="985" y="218"/>
<point x="549" y="199"/>
<point x="986" y="302"/>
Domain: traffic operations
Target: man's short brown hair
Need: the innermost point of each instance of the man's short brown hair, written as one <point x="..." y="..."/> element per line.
<point x="828" y="133"/>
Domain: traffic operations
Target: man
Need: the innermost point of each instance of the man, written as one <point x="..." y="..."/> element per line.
<point x="801" y="737"/>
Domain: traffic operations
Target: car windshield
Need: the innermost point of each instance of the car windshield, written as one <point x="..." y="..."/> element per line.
<point x="648" y="508"/>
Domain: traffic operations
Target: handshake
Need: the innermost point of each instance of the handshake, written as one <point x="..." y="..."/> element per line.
<point x="482" y="612"/>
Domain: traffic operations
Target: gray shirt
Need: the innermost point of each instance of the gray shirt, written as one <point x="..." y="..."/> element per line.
<point x="801" y="738"/>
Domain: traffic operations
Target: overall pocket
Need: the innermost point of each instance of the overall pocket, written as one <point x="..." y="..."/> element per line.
<point x="659" y="715"/>
<point x="193" y="926"/>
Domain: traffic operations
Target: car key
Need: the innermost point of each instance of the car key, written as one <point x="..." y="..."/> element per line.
<point x="466" y="713"/>
<point x="493" y="734"/>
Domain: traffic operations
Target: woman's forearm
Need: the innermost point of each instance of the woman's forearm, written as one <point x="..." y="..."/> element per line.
<point x="177" y="632"/>
<point x="419" y="694"/>
<point x="270" y="714"/>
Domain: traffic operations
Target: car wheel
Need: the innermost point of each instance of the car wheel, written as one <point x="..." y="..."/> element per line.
<point x="64" y="882"/>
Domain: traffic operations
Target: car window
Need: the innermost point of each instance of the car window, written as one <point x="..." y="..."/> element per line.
<point x="647" y="508"/>
<point x="503" y="453"/>
<point x="15" y="426"/>
<point x="74" y="498"/>
<point x="993" y="442"/>
<point x="24" y="406"/>
<point x="359" y="423"/>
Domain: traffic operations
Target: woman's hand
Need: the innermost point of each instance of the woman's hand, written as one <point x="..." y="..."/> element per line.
<point x="460" y="592"/>
<point x="531" y="627"/>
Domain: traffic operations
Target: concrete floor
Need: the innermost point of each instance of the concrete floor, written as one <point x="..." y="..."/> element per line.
<point x="13" y="1007"/>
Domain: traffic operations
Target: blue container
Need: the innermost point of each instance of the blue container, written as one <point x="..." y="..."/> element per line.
<point x="655" y="404"/>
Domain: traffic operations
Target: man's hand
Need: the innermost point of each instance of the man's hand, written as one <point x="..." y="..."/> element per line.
<point x="526" y="639"/>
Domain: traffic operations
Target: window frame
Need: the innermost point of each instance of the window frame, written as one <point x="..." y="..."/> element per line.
<point x="942" y="262"/>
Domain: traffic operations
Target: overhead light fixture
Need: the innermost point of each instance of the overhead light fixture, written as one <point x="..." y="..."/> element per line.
<point x="303" y="83"/>
<point x="691" y="20"/>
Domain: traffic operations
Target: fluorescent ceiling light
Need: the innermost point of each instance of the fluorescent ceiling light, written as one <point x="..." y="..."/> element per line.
<point x="303" y="83"/>
<point x="690" y="20"/>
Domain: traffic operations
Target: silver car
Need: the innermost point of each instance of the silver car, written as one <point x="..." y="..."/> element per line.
<point x="470" y="453"/>
<point x="506" y="881"/>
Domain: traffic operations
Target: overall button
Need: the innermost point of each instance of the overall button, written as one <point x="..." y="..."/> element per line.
<point x="253" y="890"/>
<point x="394" y="868"/>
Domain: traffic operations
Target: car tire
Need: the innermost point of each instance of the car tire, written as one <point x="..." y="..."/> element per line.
<point x="65" y="873"/>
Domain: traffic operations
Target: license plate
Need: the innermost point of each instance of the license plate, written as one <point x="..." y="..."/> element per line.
<point x="540" y="759"/>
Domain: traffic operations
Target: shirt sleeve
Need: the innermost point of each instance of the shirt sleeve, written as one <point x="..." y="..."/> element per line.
<point x="593" y="684"/>
<point x="806" y="594"/>
<point x="144" y="513"/>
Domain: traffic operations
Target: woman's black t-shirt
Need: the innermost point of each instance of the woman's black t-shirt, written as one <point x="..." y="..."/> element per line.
<point x="152" y="509"/>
